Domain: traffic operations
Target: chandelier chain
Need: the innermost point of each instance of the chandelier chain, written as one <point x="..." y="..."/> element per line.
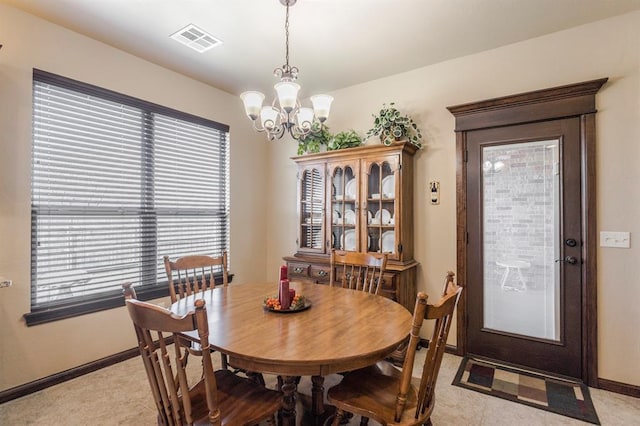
<point x="286" y="31"/>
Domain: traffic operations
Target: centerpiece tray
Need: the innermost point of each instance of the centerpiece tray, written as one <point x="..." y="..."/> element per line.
<point x="301" y="304"/>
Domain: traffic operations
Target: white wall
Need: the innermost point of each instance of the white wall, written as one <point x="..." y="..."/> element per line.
<point x="29" y="353"/>
<point x="609" y="48"/>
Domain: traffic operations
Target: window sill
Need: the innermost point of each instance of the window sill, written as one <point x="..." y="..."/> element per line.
<point x="115" y="300"/>
<point x="69" y="311"/>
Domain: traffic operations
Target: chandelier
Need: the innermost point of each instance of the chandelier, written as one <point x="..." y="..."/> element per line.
<point x="290" y="116"/>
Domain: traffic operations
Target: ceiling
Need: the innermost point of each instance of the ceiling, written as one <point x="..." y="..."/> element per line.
<point x="334" y="43"/>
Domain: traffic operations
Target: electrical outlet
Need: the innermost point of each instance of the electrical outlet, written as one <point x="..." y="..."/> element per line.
<point x="615" y="239"/>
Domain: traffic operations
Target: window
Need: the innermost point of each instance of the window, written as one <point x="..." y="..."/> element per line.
<point x="117" y="183"/>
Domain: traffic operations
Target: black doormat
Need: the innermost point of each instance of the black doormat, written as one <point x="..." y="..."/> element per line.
<point x="558" y="395"/>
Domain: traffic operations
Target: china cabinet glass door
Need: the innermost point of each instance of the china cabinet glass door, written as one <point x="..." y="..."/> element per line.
<point x="381" y="206"/>
<point x="344" y="207"/>
<point x="311" y="237"/>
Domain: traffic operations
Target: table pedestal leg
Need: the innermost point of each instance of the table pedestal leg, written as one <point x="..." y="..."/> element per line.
<point x="317" y="395"/>
<point x="288" y="413"/>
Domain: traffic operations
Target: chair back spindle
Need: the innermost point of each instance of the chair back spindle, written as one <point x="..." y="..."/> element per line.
<point x="358" y="271"/>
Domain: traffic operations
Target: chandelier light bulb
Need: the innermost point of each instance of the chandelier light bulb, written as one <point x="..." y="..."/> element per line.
<point x="321" y="106"/>
<point x="287" y="95"/>
<point x="269" y="117"/>
<point x="305" y="118"/>
<point x="252" y="103"/>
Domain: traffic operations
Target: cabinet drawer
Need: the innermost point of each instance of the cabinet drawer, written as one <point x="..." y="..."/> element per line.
<point x="297" y="270"/>
<point x="388" y="282"/>
<point x="320" y="274"/>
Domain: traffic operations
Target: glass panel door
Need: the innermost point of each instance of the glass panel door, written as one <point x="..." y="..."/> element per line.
<point x="311" y="209"/>
<point x="381" y="208"/>
<point x="344" y="208"/>
<point x="524" y="244"/>
<point x="521" y="233"/>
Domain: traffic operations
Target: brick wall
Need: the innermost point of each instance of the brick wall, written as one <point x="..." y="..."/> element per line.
<point x="520" y="207"/>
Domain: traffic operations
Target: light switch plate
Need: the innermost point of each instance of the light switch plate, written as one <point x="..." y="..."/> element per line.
<point x="615" y="239"/>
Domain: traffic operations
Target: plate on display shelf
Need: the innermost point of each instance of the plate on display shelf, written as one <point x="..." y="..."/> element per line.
<point x="382" y="217"/>
<point x="349" y="217"/>
<point x="336" y="217"/>
<point x="350" y="190"/>
<point x="389" y="187"/>
<point x="388" y="242"/>
<point x="299" y="304"/>
<point x="348" y="240"/>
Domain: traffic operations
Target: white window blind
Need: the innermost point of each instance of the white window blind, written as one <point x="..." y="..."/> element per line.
<point x="117" y="183"/>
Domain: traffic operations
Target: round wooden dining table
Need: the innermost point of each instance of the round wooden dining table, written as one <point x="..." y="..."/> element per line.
<point x="342" y="330"/>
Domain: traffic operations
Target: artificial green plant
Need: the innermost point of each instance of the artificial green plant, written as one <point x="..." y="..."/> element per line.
<point x="390" y="125"/>
<point x="345" y="139"/>
<point x="312" y="143"/>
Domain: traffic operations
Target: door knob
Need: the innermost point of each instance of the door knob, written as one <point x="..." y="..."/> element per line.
<point x="569" y="259"/>
<point x="571" y="242"/>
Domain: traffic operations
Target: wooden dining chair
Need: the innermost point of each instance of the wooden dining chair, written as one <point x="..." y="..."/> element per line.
<point x="393" y="397"/>
<point x="191" y="274"/>
<point x="213" y="397"/>
<point x="194" y="273"/>
<point x="357" y="271"/>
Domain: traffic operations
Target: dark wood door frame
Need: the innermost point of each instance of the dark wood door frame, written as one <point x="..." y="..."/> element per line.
<point x="574" y="100"/>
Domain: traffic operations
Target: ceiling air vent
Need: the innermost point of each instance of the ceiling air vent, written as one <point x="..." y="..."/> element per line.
<point x="196" y="38"/>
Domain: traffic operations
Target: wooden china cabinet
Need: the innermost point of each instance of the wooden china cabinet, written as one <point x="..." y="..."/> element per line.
<point x="357" y="199"/>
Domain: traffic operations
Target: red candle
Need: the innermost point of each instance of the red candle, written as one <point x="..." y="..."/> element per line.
<point x="285" y="300"/>
<point x="283" y="272"/>
<point x="292" y="294"/>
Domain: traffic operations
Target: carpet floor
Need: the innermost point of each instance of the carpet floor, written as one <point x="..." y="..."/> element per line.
<point x="119" y="395"/>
